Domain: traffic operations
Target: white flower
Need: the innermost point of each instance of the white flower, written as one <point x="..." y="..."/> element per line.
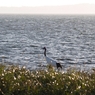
<point x="14" y="78"/>
<point x="79" y="87"/>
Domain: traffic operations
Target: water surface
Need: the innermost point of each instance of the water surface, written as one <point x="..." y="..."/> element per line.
<point x="69" y="39"/>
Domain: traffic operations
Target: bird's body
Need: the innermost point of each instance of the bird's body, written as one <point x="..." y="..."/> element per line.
<point x="51" y="61"/>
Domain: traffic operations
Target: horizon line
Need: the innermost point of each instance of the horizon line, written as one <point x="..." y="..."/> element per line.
<point x="52" y="5"/>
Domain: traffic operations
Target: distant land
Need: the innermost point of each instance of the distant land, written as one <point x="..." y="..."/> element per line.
<point x="65" y="9"/>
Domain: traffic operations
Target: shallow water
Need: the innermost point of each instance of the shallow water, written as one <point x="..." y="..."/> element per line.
<point x="69" y="40"/>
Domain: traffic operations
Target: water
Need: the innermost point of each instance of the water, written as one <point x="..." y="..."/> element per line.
<point x="69" y="40"/>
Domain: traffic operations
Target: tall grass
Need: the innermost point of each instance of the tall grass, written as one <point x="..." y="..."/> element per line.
<point x="20" y="81"/>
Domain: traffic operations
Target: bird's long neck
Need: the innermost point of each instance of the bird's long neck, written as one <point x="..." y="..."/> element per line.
<point x="45" y="52"/>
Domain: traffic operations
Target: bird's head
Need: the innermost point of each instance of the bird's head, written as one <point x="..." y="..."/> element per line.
<point x="44" y="48"/>
<point x="44" y="51"/>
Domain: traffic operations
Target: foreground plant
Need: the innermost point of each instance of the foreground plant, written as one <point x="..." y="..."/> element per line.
<point x="20" y="81"/>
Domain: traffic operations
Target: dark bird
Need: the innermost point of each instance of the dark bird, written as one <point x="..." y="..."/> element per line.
<point x="51" y="61"/>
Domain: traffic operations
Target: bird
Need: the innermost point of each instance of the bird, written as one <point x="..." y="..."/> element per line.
<point x="51" y="61"/>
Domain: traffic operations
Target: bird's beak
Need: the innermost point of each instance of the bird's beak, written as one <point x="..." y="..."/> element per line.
<point x="42" y="48"/>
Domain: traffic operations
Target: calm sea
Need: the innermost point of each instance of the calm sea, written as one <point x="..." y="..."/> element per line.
<point x="69" y="39"/>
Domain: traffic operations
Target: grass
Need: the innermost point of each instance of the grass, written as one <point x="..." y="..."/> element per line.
<point x="20" y="81"/>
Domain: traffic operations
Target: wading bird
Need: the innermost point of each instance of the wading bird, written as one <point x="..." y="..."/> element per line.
<point x="51" y="61"/>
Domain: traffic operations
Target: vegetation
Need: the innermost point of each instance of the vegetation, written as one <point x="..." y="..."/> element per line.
<point x="20" y="81"/>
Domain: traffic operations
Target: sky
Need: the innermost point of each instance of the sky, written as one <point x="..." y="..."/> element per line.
<point x="33" y="3"/>
<point x="47" y="6"/>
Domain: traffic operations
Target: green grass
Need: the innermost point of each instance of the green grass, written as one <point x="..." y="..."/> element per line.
<point x="20" y="81"/>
